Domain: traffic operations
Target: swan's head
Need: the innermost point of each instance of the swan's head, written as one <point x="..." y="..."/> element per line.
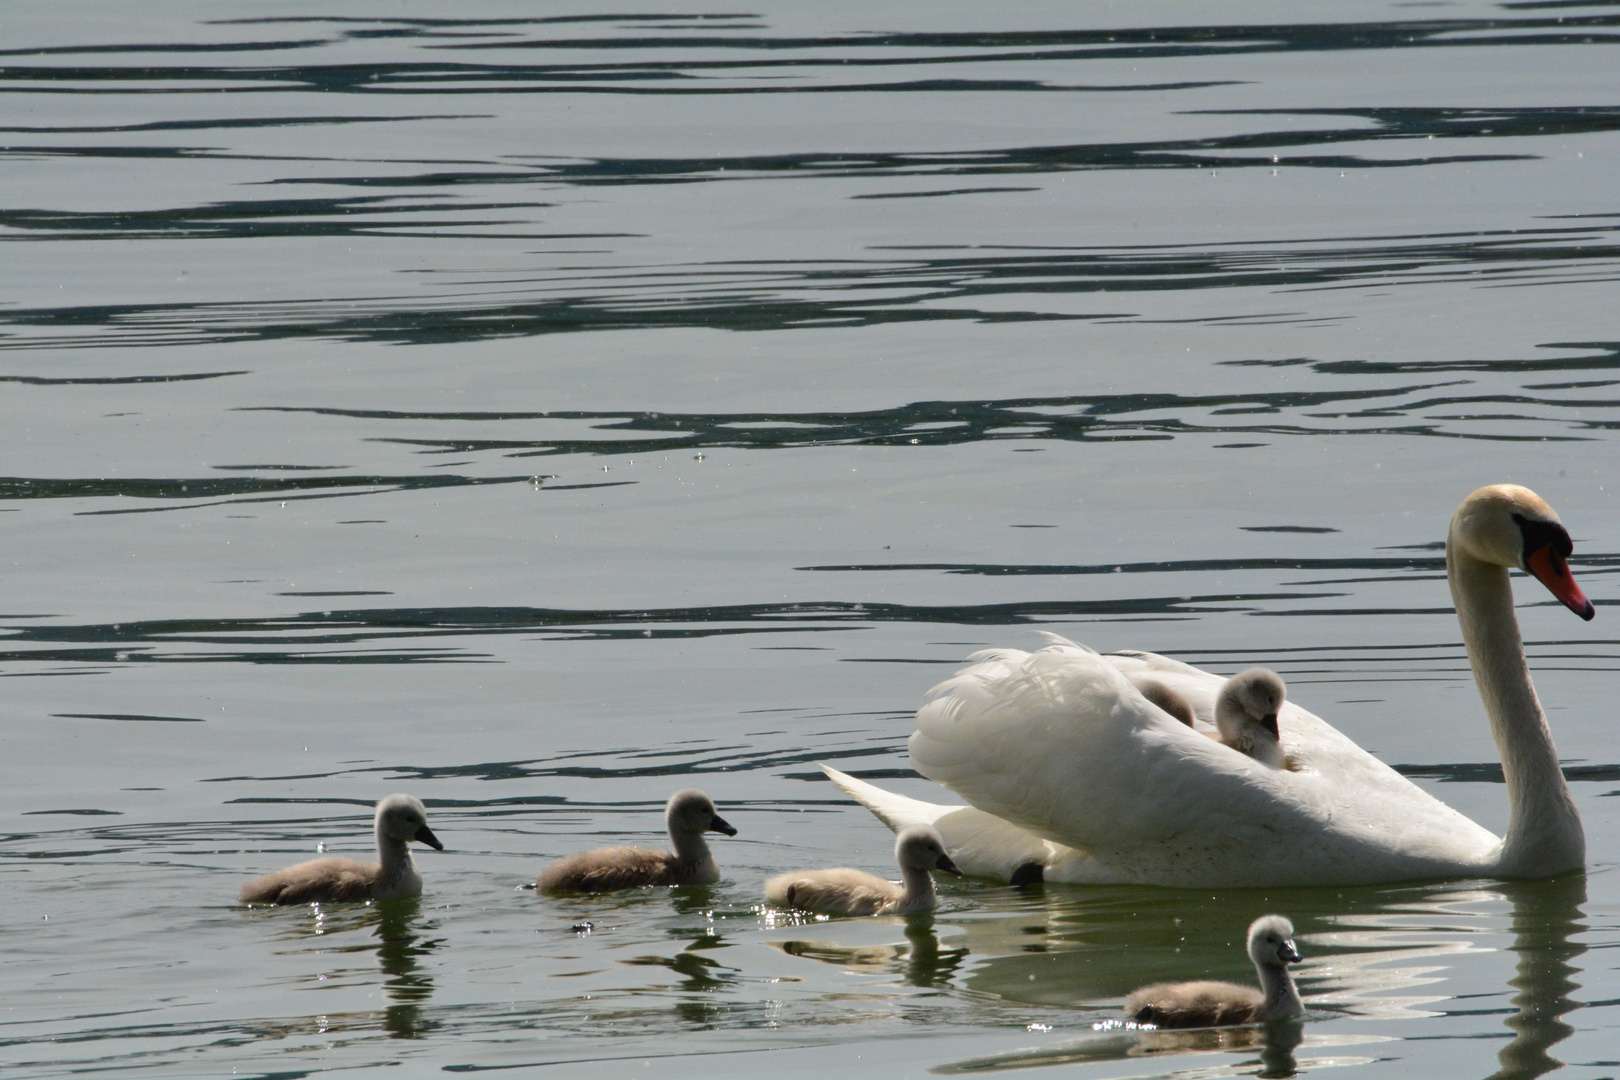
<point x="692" y="813"/>
<point x="403" y="817"/>
<point x="1248" y="705"/>
<point x="1271" y="942"/>
<point x="919" y="847"/>
<point x="1512" y="526"/>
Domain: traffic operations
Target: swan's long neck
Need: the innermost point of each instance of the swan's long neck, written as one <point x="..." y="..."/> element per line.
<point x="1544" y="834"/>
<point x="691" y="848"/>
<point x="395" y="856"/>
<point x="1280" y="999"/>
<point x="919" y="889"/>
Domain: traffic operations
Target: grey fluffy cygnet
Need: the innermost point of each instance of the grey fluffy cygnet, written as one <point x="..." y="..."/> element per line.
<point x="1167" y="699"/>
<point x="1214" y="1004"/>
<point x="1246" y="715"/>
<point x="689" y="815"/>
<point x="846" y="891"/>
<point x="400" y="819"/>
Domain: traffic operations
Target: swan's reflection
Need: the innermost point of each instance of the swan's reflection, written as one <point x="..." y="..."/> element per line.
<point x="399" y="944"/>
<point x="920" y="961"/>
<point x="396" y="938"/>
<point x="1546" y="915"/>
<point x="1273" y="1049"/>
<point x="1374" y="953"/>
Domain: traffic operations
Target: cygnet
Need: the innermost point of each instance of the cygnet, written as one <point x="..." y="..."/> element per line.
<point x="1213" y="1004"/>
<point x="845" y="891"/>
<point x="689" y="815"/>
<point x="400" y="819"/>
<point x="1167" y="699"/>
<point x="1246" y="715"/>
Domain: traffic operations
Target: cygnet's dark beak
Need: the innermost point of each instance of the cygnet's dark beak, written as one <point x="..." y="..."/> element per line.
<point x="425" y="835"/>
<point x="946" y="865"/>
<point x="1289" y="953"/>
<point x="721" y="825"/>
<point x="1269" y="722"/>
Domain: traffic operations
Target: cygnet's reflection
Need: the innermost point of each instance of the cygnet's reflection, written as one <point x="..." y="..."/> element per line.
<point x="1387" y="954"/>
<point x="399" y="945"/>
<point x="1275" y="1044"/>
<point x="920" y="961"/>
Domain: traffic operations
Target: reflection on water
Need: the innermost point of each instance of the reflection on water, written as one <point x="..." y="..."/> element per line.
<point x="401" y="944"/>
<point x="1546" y="916"/>
<point x="919" y="962"/>
<point x="1267" y="1051"/>
<point x="1365" y="950"/>
<point x="398" y="937"/>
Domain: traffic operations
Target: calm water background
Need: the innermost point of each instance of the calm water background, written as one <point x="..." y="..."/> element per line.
<point x="542" y="410"/>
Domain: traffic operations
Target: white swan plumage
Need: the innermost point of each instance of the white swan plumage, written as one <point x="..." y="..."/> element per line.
<point x="1068" y="768"/>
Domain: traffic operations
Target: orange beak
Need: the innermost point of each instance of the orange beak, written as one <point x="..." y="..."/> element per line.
<point x="1550" y="569"/>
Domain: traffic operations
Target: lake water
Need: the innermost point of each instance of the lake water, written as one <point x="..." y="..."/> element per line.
<point x="542" y="409"/>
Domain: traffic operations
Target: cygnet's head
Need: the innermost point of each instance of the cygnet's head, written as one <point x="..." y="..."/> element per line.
<point x="403" y="817"/>
<point x="1509" y="525"/>
<point x="692" y="813"/>
<point x="920" y="847"/>
<point x="1271" y="942"/>
<point x="1250" y="699"/>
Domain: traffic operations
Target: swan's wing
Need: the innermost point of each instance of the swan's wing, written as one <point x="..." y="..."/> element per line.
<point x="981" y="845"/>
<point x="1358" y="789"/>
<point x="1060" y="743"/>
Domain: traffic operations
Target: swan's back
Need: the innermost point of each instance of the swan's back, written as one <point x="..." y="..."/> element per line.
<point x="838" y="891"/>
<point x="613" y="868"/>
<point x="1060" y="743"/>
<point x="1204" y="1003"/>
<point x="319" y="881"/>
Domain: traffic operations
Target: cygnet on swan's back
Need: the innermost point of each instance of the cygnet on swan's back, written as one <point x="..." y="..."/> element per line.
<point x="1246" y="714"/>
<point x="845" y="891"/>
<point x="1167" y="699"/>
<point x="400" y="819"/>
<point x="689" y="815"/>
<point x="1212" y="1004"/>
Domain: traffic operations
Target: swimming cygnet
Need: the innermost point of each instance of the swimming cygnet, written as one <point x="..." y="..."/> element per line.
<point x="400" y="819"/>
<point x="1212" y="1004"/>
<point x="845" y="891"/>
<point x="689" y="815"/>
<point x="1246" y="715"/>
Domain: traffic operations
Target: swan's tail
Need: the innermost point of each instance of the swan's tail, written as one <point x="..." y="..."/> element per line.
<point x="895" y="811"/>
<point x="982" y="844"/>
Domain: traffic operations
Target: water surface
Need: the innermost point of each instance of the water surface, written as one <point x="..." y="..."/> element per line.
<point x="542" y="411"/>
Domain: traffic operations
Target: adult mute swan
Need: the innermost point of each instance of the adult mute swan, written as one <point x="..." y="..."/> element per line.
<point x="400" y="819"/>
<point x="689" y="815"/>
<point x="844" y="891"/>
<point x="1213" y="1004"/>
<point x="1069" y="768"/>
